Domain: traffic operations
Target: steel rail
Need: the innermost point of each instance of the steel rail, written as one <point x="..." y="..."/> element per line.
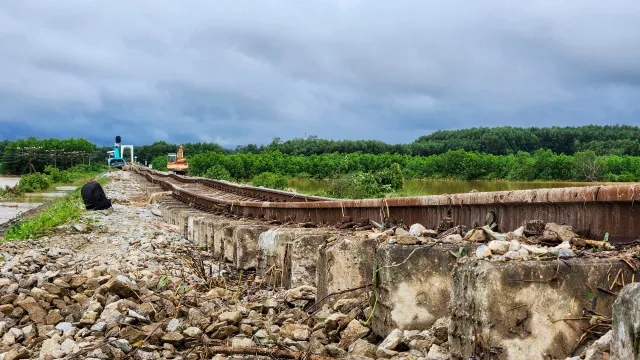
<point x="593" y="211"/>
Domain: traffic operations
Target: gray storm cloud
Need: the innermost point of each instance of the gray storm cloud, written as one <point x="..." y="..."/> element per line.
<point x="246" y="71"/>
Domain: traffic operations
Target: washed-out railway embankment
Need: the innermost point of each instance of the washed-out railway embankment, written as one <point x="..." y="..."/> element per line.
<point x="533" y="309"/>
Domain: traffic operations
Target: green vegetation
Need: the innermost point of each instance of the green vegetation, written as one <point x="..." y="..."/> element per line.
<point x="160" y="149"/>
<point x="270" y="180"/>
<point x="219" y="173"/>
<point x="33" y="155"/>
<point x="36" y="182"/>
<point x="159" y="163"/>
<point x="603" y="140"/>
<point x="59" y="212"/>
<point x="456" y="164"/>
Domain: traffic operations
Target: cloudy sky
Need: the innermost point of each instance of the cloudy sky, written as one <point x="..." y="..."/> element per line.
<point x="245" y="71"/>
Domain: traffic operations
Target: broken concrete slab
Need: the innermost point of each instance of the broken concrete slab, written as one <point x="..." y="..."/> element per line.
<point x="245" y="242"/>
<point x="414" y="285"/>
<point x="521" y="309"/>
<point x="626" y="323"/>
<point x="290" y="255"/>
<point x="344" y="263"/>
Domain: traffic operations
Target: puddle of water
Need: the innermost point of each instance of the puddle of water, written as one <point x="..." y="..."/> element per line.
<point x="9" y="181"/>
<point x="15" y="206"/>
<point x="9" y="210"/>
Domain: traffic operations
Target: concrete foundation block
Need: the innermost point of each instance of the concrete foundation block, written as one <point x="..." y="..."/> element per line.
<point x="414" y="285"/>
<point x="625" y="343"/>
<point x="246" y="249"/>
<point x="222" y="229"/>
<point x="527" y="309"/>
<point x="193" y="228"/>
<point x="289" y="256"/>
<point x="343" y="264"/>
<point x="228" y="245"/>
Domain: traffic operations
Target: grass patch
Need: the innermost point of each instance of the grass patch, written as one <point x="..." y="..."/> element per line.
<point x="59" y="212"/>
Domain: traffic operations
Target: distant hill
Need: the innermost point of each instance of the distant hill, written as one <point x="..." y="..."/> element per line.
<point x="604" y="140"/>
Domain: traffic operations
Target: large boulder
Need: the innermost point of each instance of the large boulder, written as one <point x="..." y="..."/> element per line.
<point x="626" y="323"/>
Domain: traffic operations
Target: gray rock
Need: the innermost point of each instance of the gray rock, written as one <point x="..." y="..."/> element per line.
<point x="15" y="354"/>
<point x="560" y="233"/>
<point x="533" y="228"/>
<point x="224" y="331"/>
<point x="69" y="346"/>
<point x="301" y="334"/>
<point x="304" y="292"/>
<point x="354" y="331"/>
<point x="238" y="341"/>
<point x="499" y="247"/>
<point x="345" y="305"/>
<point x="50" y="349"/>
<point x="335" y="351"/>
<point x="392" y="340"/>
<point x="88" y="318"/>
<point x="626" y="322"/>
<point x="99" y="327"/>
<point x="363" y="348"/>
<point x="416" y="229"/>
<point x="438" y="353"/>
<point x="192" y="332"/>
<point x="123" y="345"/>
<point x="173" y="338"/>
<point x="175" y="325"/>
<point x="230" y="317"/>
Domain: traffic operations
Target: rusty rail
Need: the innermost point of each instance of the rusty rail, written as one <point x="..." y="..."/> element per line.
<point x="591" y="210"/>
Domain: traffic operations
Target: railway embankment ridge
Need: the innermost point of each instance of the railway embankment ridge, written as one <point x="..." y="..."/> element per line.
<point x="195" y="268"/>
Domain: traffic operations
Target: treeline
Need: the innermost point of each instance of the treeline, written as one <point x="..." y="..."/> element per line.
<point x="33" y="155"/>
<point x="457" y="164"/>
<point x="603" y="140"/>
<point x="162" y="148"/>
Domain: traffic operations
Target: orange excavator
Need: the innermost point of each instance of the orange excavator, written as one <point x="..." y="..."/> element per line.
<point x="176" y="163"/>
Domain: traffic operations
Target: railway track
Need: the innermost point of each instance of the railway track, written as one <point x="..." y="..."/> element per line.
<point x="593" y="211"/>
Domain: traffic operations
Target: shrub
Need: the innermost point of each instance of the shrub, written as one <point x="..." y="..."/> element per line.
<point x="391" y="177"/>
<point x="159" y="163"/>
<point x="218" y="172"/>
<point x="56" y="175"/>
<point x="271" y="180"/>
<point x="359" y="185"/>
<point x="33" y="182"/>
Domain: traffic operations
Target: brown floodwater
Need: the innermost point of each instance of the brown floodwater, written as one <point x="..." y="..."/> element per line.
<point x="19" y="204"/>
<point x="416" y="187"/>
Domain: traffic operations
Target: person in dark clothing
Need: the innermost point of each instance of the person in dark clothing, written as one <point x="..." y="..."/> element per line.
<point x="94" y="197"/>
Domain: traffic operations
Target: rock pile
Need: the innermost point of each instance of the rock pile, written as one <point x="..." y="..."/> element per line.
<point x="534" y="240"/>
